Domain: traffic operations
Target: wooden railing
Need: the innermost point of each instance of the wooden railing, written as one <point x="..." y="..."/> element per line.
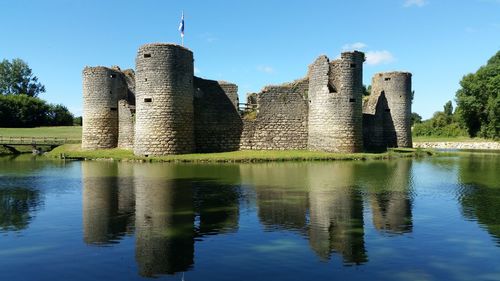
<point x="12" y="140"/>
<point x="247" y="107"/>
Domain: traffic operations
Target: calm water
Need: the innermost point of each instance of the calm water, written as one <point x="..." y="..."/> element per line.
<point x="430" y="219"/>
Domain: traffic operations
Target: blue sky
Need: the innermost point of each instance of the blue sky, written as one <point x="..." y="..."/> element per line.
<point x="255" y="43"/>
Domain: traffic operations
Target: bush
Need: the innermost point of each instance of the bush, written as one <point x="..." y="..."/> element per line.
<point x="77" y="121"/>
<point x="21" y="111"/>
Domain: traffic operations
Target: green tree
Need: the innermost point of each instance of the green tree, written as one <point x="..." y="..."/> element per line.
<point x="16" y="78"/>
<point x="448" y="108"/>
<point x="415" y="118"/>
<point x="77" y="121"/>
<point x="478" y="100"/>
<point x="59" y="115"/>
<point x="24" y="111"/>
<point x="367" y="90"/>
<point x="17" y="207"/>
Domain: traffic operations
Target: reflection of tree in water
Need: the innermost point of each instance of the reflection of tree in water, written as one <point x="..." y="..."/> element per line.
<point x="480" y="195"/>
<point x="17" y="206"/>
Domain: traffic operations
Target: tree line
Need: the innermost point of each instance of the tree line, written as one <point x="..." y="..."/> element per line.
<point x="19" y="102"/>
<point x="478" y="107"/>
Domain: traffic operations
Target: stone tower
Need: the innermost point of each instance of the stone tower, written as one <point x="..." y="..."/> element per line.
<point x="396" y="87"/>
<point x="335" y="103"/>
<point x="102" y="88"/>
<point x="164" y="100"/>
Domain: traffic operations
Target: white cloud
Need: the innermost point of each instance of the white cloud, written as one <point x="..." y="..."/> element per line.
<point x="196" y="70"/>
<point x="416" y="3"/>
<point x="354" y="46"/>
<point x="265" y="68"/>
<point x="379" y="57"/>
<point x="208" y="37"/>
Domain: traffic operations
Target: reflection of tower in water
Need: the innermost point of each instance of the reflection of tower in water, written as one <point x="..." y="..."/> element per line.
<point x="281" y="196"/>
<point x="107" y="207"/>
<point x="164" y="222"/>
<point x="336" y="212"/>
<point x="217" y="207"/>
<point x="390" y="200"/>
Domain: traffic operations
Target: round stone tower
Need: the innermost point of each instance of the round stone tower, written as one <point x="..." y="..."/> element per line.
<point x="164" y="100"/>
<point x="102" y="88"/>
<point x="396" y="86"/>
<point x="335" y="108"/>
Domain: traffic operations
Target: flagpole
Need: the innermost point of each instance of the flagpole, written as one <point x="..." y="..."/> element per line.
<point x="182" y="40"/>
<point x="181" y="28"/>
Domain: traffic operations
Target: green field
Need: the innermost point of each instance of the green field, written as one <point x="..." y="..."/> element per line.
<point x="73" y="151"/>
<point x="75" y="133"/>
<point x="72" y="133"/>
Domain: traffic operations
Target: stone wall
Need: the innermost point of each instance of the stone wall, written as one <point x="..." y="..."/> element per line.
<point x="217" y="122"/>
<point x="102" y="88"/>
<point x="179" y="113"/>
<point x="231" y="91"/>
<point x="164" y="100"/>
<point x="126" y="122"/>
<point x="375" y="114"/>
<point x="396" y="88"/>
<point x="281" y="122"/>
<point x="130" y="78"/>
<point x="486" y="145"/>
<point x="335" y="103"/>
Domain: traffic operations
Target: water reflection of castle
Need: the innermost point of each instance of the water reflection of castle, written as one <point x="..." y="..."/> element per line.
<point x="169" y="208"/>
<point x="160" y="208"/>
<point x="325" y="202"/>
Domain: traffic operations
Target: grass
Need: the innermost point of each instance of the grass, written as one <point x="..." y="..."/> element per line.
<point x="72" y="133"/>
<point x="73" y="151"/>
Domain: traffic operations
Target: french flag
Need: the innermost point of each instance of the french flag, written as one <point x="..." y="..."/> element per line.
<point x="181" y="25"/>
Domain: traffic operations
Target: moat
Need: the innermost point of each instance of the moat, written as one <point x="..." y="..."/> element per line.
<point x="404" y="219"/>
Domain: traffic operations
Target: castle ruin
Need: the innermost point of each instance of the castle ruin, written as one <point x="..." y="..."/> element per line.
<point x="162" y="108"/>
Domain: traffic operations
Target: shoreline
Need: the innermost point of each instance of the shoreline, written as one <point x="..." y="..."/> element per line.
<point x="73" y="152"/>
<point x="421" y="149"/>
<point x="472" y="145"/>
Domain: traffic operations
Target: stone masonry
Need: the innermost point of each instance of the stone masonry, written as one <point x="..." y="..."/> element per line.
<point x="281" y="121"/>
<point x="164" y="100"/>
<point x="335" y="108"/>
<point x="102" y="88"/>
<point x="217" y="122"/>
<point x="164" y="109"/>
<point x="393" y="92"/>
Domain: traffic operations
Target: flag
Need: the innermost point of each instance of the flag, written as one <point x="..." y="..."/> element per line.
<point x="181" y="25"/>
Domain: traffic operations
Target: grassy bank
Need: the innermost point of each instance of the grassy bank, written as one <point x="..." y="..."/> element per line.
<point x="72" y="133"/>
<point x="73" y="151"/>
